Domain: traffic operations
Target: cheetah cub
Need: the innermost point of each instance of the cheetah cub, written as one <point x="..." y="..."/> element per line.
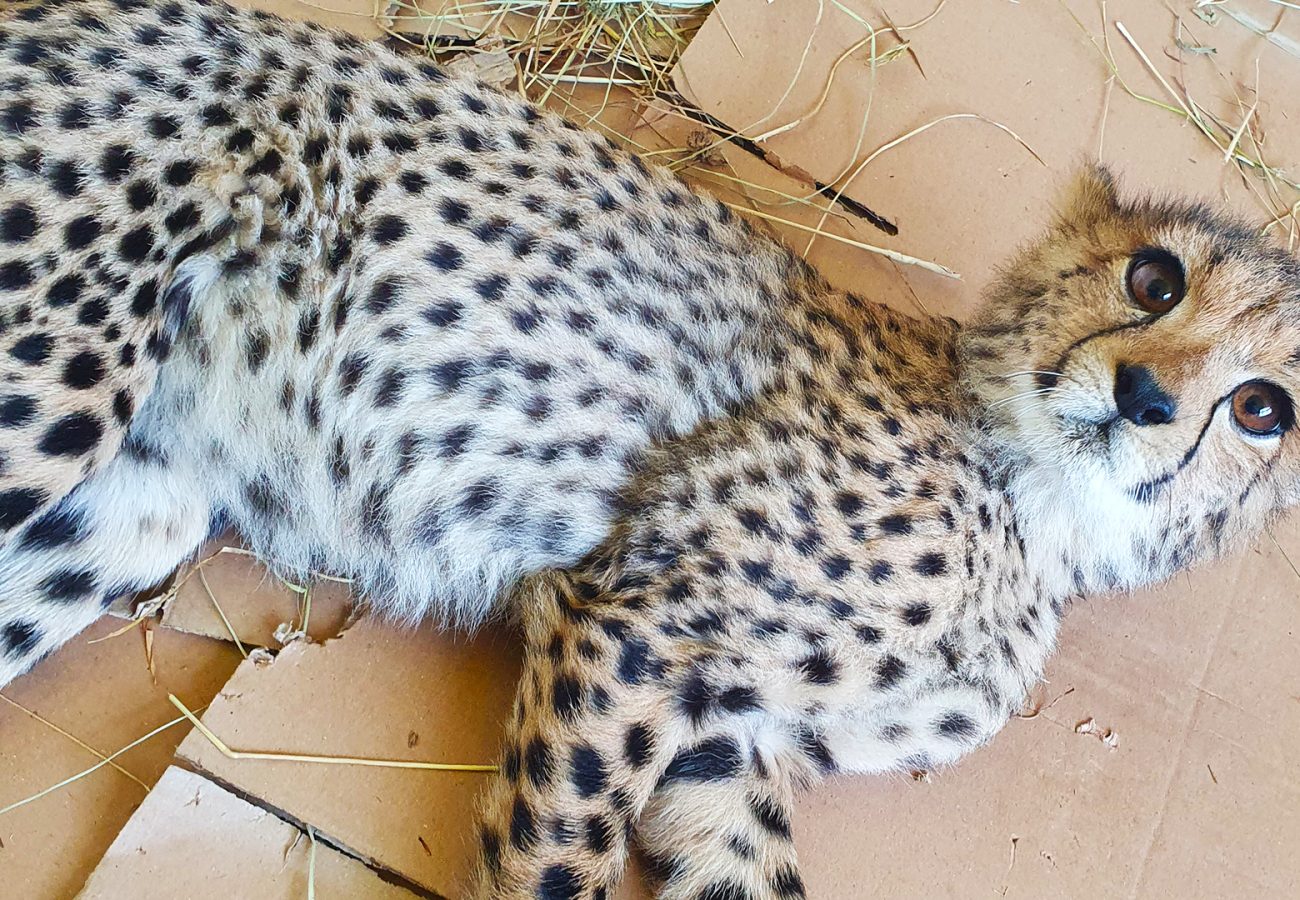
<point x="404" y="328"/>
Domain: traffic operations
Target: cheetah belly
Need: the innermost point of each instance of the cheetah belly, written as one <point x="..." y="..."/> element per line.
<point x="432" y="507"/>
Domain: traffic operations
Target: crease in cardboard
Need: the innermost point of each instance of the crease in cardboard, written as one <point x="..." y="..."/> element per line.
<point x="387" y="875"/>
<point x="167" y="843"/>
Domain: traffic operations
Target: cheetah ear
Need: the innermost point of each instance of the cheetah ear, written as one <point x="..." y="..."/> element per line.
<point x="1091" y="197"/>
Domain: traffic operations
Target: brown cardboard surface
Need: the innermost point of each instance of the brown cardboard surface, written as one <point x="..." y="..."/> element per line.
<point x="190" y="838"/>
<point x="103" y="694"/>
<point x="965" y="193"/>
<point x="1198" y="798"/>
<point x="377" y="692"/>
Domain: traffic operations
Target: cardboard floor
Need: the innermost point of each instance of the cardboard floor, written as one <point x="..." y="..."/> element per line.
<point x="1162" y="759"/>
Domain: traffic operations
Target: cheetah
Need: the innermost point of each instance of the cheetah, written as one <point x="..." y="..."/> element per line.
<point x="402" y="327"/>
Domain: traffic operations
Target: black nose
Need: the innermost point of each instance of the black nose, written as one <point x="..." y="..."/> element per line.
<point x="1139" y="397"/>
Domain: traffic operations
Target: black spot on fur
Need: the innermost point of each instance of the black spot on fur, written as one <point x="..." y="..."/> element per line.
<point x="140" y="195"/>
<point x="638" y="745"/>
<point x="116" y="162"/>
<point x="539" y="762"/>
<point x="713" y="759"/>
<point x="491" y="288"/>
<point x="635" y="661"/>
<point x="256" y="347"/>
<point x="523" y="826"/>
<point x="559" y="882"/>
<point x="81" y="232"/>
<point x="956" y="725"/>
<point x="566" y="696"/>
<point x="389" y="391"/>
<point x="771" y="815"/>
<point x="788" y="884"/>
<point x="17" y="504"/>
<point x="72" y="435"/>
<point x="889" y="671"/>
<point x="696" y="697"/>
<point x="820" y="668"/>
<point x="931" y="564"/>
<point x="83" y="371"/>
<point x="68" y="585"/>
<point x="389" y="229"/>
<point x="815" y="749"/>
<point x="836" y="567"/>
<point x="896" y="524"/>
<point x="61" y="526"/>
<point x="600" y="834"/>
<point x="724" y="890"/>
<point x="16" y="411"/>
<point x="182" y="219"/>
<point x="34" y="349"/>
<point x="18" y="224"/>
<point x="445" y="257"/>
<point x="916" y="614"/>
<point x="19" y="639"/>
<point x="587" y="771"/>
<point x="180" y="173"/>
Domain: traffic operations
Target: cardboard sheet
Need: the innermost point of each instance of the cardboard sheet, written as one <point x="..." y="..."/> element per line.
<point x="1199" y="797"/>
<point x="375" y="692"/>
<point x="193" y="839"/>
<point x="103" y="694"/>
<point x="381" y="693"/>
<point x="964" y="192"/>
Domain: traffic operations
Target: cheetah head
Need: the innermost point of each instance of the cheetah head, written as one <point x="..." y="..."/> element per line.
<point x="1142" y="361"/>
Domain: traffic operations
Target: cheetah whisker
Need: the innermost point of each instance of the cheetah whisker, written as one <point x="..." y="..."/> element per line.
<point x="1039" y="392"/>
<point x="1010" y="375"/>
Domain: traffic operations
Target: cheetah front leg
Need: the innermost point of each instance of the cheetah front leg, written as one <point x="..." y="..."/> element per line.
<point x="722" y="832"/>
<point x="123" y="529"/>
<point x="593" y="731"/>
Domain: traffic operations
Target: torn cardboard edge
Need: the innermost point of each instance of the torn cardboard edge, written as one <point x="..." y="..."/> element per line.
<point x="229" y="594"/>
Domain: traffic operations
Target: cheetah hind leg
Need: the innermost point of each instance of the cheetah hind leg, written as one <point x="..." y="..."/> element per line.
<point x="122" y="530"/>
<point x="583" y="753"/>
<point x="722" y="835"/>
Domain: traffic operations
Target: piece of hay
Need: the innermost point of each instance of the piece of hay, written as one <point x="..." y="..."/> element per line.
<point x="225" y="751"/>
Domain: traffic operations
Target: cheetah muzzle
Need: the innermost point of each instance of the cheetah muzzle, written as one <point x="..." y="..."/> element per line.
<point x="402" y="327"/>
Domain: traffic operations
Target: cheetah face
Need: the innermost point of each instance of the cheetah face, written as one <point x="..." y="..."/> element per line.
<point x="1151" y="346"/>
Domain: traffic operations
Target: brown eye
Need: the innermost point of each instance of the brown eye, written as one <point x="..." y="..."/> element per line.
<point x="1155" y="280"/>
<point x="1261" y="407"/>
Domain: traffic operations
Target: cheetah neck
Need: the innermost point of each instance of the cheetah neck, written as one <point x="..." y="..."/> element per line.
<point x="1082" y="534"/>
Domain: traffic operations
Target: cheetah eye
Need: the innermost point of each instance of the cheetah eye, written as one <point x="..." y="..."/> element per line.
<point x="1155" y="280"/>
<point x="1261" y="407"/>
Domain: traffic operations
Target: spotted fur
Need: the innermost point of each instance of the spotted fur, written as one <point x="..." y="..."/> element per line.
<point x="402" y="327"/>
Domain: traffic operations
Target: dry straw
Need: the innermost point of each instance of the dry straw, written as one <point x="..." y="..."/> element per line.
<point x="1240" y="144"/>
<point x="634" y="46"/>
<point x="105" y="761"/>
<point x="225" y="751"/>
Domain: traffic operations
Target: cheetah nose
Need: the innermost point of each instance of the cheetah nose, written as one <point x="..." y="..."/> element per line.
<point x="1139" y="397"/>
